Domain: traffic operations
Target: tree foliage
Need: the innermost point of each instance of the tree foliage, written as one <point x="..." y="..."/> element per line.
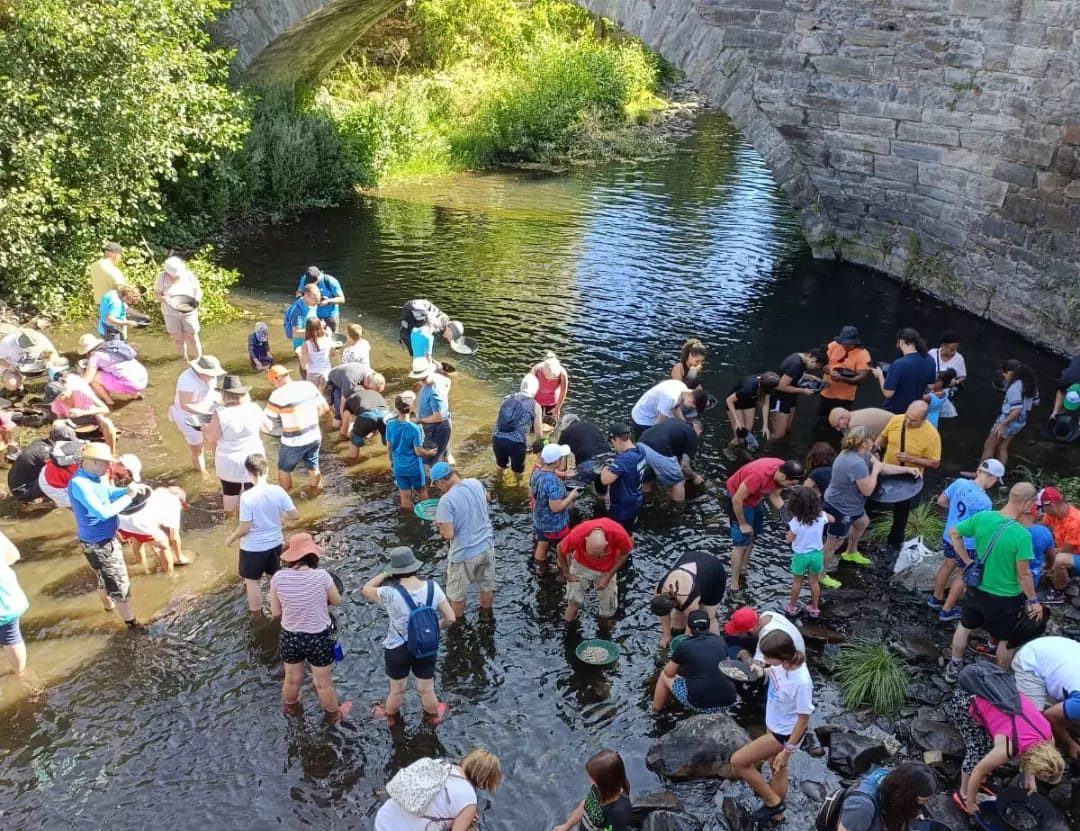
<point x="99" y="101"/>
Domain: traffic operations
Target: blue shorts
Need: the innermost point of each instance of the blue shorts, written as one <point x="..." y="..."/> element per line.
<point x="678" y="687"/>
<point x="1013" y="428"/>
<point x="756" y="517"/>
<point x="950" y="554"/>
<point x="666" y="469"/>
<point x="840" y="528"/>
<point x="289" y="457"/>
<point x="10" y="634"/>
<point x="1071" y="706"/>
<point x="411" y="481"/>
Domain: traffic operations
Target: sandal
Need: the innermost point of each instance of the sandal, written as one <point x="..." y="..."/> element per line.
<point x="768" y="813"/>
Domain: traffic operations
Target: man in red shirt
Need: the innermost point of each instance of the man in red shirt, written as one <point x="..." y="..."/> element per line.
<point x="746" y="487"/>
<point x="1063" y="520"/>
<point x="592" y="553"/>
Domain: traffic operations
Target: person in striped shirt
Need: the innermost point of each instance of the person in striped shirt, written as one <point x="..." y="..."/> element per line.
<point x="293" y="412"/>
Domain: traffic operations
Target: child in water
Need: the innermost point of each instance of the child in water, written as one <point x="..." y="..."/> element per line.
<point x="806" y="533"/>
<point x="357" y="348"/>
<point x="938" y="394"/>
<point x="259" y="347"/>
<point x="606" y="807"/>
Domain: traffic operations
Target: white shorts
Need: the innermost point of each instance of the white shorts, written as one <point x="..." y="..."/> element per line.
<point x="192" y="436"/>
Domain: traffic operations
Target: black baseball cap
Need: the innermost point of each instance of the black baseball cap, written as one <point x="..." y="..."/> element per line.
<point x="698" y="620"/>
<point x="620" y="429"/>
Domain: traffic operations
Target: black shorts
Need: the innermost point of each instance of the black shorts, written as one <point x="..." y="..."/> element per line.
<point x="784" y="402"/>
<point x="254" y="564"/>
<point x="509" y="453"/>
<point x="743" y="403"/>
<point x="997" y="615"/>
<point x="317" y="649"/>
<point x="234" y="488"/>
<point x="399" y="663"/>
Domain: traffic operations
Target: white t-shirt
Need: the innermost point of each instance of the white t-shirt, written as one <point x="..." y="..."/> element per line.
<point x="955" y="363"/>
<point x="263" y="506"/>
<point x="658" y="401"/>
<point x="451" y="801"/>
<point x="318" y="360"/>
<point x="790" y="695"/>
<point x="808" y="538"/>
<point x="398" y="610"/>
<point x="1048" y="666"/>
<point x="778" y="621"/>
<point x="357" y="353"/>
<point x="162" y="509"/>
<point x="191" y="382"/>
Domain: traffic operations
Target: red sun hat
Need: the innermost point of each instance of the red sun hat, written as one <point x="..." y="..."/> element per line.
<point x="742" y="621"/>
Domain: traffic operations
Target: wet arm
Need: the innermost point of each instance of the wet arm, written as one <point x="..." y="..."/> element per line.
<point x="242" y="529"/>
<point x="538" y="420"/>
<point x="446" y="614"/>
<point x="987" y="765"/>
<point x="1027" y="582"/>
<point x="574" y="819"/>
<point x="446" y="529"/>
<point x="275" y="602"/>
<point x="564" y="390"/>
<point x="787" y="384"/>
<point x="737" y="504"/>
<point x="95" y="507"/>
<point x="370" y="591"/>
<point x="333" y="596"/>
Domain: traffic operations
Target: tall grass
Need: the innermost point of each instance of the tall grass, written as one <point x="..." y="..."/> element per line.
<point x="923" y="521"/>
<point x="871" y="676"/>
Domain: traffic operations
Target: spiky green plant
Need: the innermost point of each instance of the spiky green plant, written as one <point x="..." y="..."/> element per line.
<point x="1068" y="485"/>
<point x="871" y="676"/>
<point x="923" y="520"/>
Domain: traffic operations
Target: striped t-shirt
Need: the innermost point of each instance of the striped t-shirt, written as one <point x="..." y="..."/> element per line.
<point x="296" y="406"/>
<point x="303" y="593"/>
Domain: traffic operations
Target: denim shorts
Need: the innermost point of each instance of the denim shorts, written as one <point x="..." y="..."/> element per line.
<point x="10" y="635"/>
<point x="289" y="457"/>
<point x="840" y="528"/>
<point x="950" y="554"/>
<point x="411" y="481"/>
<point x="756" y="517"/>
<point x="666" y="469"/>
<point x="1013" y="428"/>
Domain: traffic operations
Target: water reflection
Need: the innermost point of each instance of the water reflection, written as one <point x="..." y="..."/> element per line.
<point x="612" y="267"/>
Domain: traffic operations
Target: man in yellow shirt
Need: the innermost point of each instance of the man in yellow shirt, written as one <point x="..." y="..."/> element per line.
<point x="105" y="274"/>
<point x="912" y="441"/>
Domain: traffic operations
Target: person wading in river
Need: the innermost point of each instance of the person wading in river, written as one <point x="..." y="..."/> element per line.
<point x="464" y="521"/>
<point x="848" y="367"/>
<point x="592" y="554"/>
<point x="697" y="580"/>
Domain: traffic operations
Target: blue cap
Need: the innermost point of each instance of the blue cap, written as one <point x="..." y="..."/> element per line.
<point x="440" y="470"/>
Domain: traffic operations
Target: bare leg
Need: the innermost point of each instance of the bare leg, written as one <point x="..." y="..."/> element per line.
<point x="231" y="503"/>
<point x="1063" y="562"/>
<point x="16" y="655"/>
<point x="990" y="447"/>
<point x="428" y="700"/>
<point x="540" y="555"/>
<point x="253" y="590"/>
<point x="796" y="590"/>
<point x="941" y="579"/>
<point x="662" y="693"/>
<point x="102" y="393"/>
<point x="194" y="345"/>
<point x="396" y="696"/>
<point x="459" y="609"/>
<point x="745" y="761"/>
<point x="314" y="481"/>
<point x="956" y="591"/>
<point x="714" y="621"/>
<point x="740" y="558"/>
<point x="406" y="500"/>
<point x="1004" y="654"/>
<point x="815" y="590"/>
<point x="290" y="688"/>
<point x="858" y="528"/>
<point x="960" y="641"/>
<point x="571" y="613"/>
<point x="324" y="687"/>
<point x="284" y="480"/>
<point x="678" y="492"/>
<point x="1056" y="716"/>
<point x="832" y="545"/>
<point x="108" y="429"/>
<point x="486" y="601"/>
<point x="1003" y="449"/>
<point x="781" y="423"/>
<point x="178" y="342"/>
<point x="197" y="460"/>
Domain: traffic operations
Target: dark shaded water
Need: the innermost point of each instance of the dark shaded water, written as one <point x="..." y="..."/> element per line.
<point x="611" y="267"/>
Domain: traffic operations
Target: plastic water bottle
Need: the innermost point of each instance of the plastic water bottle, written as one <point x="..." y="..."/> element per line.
<point x="339" y="653"/>
<point x="752" y="443"/>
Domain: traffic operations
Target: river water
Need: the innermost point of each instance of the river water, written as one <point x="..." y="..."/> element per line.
<point x="613" y="267"/>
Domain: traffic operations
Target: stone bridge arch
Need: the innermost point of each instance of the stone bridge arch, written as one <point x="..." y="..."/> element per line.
<point x="935" y="140"/>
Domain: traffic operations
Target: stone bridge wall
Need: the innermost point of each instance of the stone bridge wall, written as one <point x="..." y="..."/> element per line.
<point x="935" y="140"/>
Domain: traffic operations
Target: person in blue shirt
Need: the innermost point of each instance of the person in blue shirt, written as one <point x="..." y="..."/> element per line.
<point x="909" y="375"/>
<point x="259" y="347"/>
<point x="303" y="309"/>
<point x="332" y="296"/>
<point x="96" y="505"/>
<point x="963" y="498"/>
<point x="420" y="321"/>
<point x="433" y="409"/>
<point x="1044" y="547"/>
<point x="551" y="512"/>
<point x="113" y="311"/>
<point x="939" y="392"/>
<point x="624" y="476"/>
<point x="405" y="444"/>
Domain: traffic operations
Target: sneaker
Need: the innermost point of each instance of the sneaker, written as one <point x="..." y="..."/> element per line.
<point x="952" y="670"/>
<point x="982" y="648"/>
<point x="858" y="558"/>
<point x="791" y="611"/>
<point x="950" y="616"/>
<point x="934" y="603"/>
<point x="813" y="612"/>
<point x="1051" y="597"/>
<point x="830" y="582"/>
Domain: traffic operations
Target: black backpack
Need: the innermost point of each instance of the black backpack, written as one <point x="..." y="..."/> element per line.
<point x="990" y="682"/>
<point x="512" y="412"/>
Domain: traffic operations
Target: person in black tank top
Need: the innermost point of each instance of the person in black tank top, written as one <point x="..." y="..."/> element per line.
<point x="697" y="580"/>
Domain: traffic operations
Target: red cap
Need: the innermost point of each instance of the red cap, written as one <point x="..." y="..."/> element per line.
<point x="742" y="621"/>
<point x="1048" y="496"/>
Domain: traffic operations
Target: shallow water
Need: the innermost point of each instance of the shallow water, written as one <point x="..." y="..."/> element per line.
<point x="612" y="267"/>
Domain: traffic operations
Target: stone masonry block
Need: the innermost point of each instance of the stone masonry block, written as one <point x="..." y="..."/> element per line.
<point x="1030" y="61"/>
<point x="915" y="152"/>
<point x="852" y="161"/>
<point x="1050" y="12"/>
<point x="897" y="170"/>
<point x="885" y="127"/>
<point x="752" y="39"/>
<point x="857" y="141"/>
<point x="928" y="134"/>
<point x="997" y="9"/>
<point x="1015" y="174"/>
<point x="1026" y="150"/>
<point x="848" y="67"/>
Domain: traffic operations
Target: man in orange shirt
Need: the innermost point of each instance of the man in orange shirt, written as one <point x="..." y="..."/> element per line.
<point x="849" y="366"/>
<point x="1063" y="520"/>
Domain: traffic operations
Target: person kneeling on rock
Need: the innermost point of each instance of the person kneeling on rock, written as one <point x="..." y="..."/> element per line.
<point x="693" y="674"/>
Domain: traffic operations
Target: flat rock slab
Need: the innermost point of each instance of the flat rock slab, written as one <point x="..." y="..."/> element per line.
<point x="937" y="735"/>
<point x="699" y="748"/>
<point x="645" y="804"/>
<point x="670" y="821"/>
<point x="851" y="754"/>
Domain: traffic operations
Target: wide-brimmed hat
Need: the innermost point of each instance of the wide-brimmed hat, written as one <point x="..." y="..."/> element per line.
<point x="423" y="368"/>
<point x="402" y="560"/>
<point x="207" y="365"/>
<point x="234" y="384"/>
<point x="88" y="343"/>
<point x="173" y="266"/>
<point x="133" y="465"/>
<point x="300" y="545"/>
<point x="98" y="451"/>
<point x="849" y="336"/>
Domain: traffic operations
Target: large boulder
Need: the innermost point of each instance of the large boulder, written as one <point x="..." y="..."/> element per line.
<point x="698" y="748"/>
<point x="645" y="804"/>
<point x="670" y="821"/>
<point x="853" y="755"/>
<point x="937" y="735"/>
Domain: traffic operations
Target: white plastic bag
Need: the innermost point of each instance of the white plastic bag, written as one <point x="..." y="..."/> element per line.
<point x="911" y="554"/>
<point x="948" y="409"/>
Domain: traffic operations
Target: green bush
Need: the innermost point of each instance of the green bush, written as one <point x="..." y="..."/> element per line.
<point x="871" y="676"/>
<point x="98" y="102"/>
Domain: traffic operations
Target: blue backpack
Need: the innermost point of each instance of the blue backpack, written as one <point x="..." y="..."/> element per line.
<point x="828" y="818"/>
<point x="422" y="632"/>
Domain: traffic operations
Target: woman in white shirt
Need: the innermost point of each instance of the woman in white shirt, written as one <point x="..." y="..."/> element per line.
<point x="434" y="795"/>
<point x="177" y="281"/>
<point x="788" y="706"/>
<point x="315" y="353"/>
<point x="947" y="356"/>
<point x="397" y="658"/>
<point x="196" y="394"/>
<point x="234" y="431"/>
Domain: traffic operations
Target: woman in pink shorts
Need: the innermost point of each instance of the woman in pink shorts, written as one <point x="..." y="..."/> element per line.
<point x="112" y="368"/>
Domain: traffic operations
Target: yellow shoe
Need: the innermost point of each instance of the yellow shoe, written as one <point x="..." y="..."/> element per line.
<point x="830" y="582"/>
<point x="858" y="558"/>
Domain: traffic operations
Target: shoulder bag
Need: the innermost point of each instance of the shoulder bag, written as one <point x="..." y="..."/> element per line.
<point x="973" y="571"/>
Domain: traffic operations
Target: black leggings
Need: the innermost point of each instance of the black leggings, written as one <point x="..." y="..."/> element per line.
<point x="977" y="742"/>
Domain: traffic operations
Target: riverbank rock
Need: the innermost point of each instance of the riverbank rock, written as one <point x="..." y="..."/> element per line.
<point x="670" y="821"/>
<point x="698" y="748"/>
<point x="645" y="804"/>
<point x="736" y="817"/>
<point x="937" y="735"/>
<point x="853" y="755"/>
<point x="919" y="578"/>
